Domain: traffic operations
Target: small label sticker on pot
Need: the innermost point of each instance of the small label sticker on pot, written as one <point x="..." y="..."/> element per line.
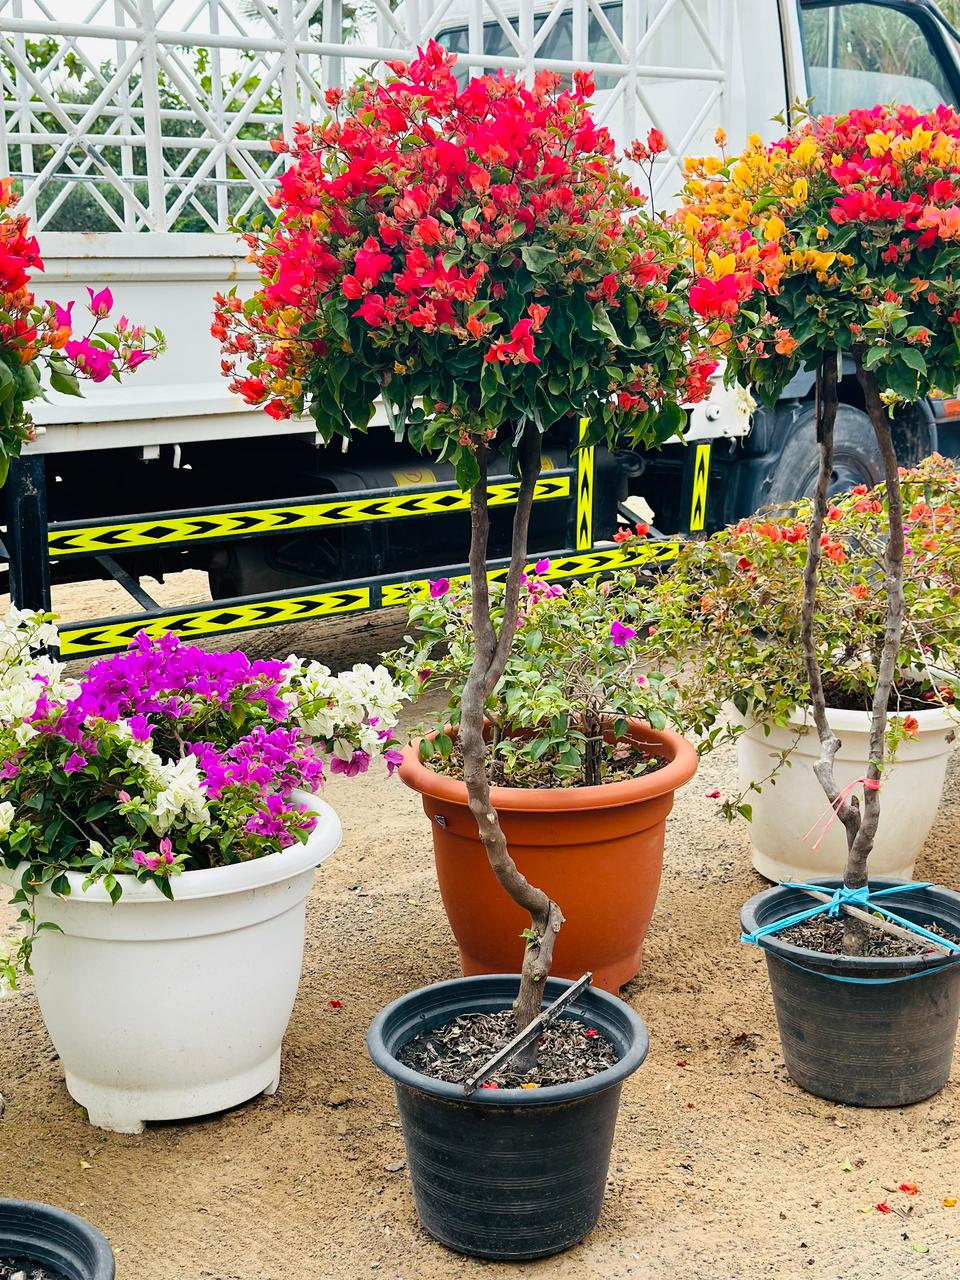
<point x="440" y="820"/>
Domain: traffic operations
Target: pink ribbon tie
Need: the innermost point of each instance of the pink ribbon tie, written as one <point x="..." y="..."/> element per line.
<point x="830" y="814"/>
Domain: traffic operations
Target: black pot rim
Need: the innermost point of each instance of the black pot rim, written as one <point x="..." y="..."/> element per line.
<point x="34" y="1211"/>
<point x="548" y="1095"/>
<point x="753" y="916"/>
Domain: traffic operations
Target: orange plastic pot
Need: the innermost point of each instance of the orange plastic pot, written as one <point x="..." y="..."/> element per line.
<point x="597" y="851"/>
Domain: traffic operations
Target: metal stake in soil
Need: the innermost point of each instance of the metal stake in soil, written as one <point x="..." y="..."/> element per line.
<point x="526" y="1037"/>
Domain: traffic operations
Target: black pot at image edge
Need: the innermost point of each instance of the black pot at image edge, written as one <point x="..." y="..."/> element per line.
<point x="506" y="1173"/>
<point x="54" y="1239"/>
<point x="883" y="1044"/>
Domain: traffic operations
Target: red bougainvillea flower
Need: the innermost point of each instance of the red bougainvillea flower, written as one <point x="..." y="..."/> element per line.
<point x="472" y="256"/>
<point x="858" y="213"/>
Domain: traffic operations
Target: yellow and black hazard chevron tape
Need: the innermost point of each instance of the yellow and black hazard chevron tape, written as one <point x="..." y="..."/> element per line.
<point x="76" y="539"/>
<point x="108" y="635"/>
<point x="701" y="484"/>
<point x="585" y="461"/>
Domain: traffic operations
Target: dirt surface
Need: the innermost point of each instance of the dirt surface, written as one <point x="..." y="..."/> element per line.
<point x="722" y="1168"/>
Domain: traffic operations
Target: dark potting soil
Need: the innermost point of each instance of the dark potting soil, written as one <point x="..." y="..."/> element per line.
<point x="569" y="1050"/>
<point x="905" y="697"/>
<point x="23" y="1269"/>
<point x="621" y="761"/>
<point x="826" y="935"/>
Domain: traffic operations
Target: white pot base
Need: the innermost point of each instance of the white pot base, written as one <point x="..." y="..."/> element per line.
<point x="129" y="1110"/>
<point x="778" y="870"/>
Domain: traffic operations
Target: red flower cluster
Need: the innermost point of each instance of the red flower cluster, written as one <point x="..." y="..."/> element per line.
<point x="445" y="221"/>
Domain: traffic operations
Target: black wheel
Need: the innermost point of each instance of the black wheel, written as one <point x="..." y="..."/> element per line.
<point x="856" y="459"/>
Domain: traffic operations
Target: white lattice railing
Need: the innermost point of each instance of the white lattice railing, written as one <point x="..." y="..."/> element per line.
<point x="156" y="115"/>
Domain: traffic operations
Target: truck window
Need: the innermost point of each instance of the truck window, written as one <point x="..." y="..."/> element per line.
<point x="558" y="42"/>
<point x="861" y="54"/>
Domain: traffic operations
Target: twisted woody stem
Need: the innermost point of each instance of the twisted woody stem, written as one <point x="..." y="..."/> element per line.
<point x="491" y="652"/>
<point x="859" y="825"/>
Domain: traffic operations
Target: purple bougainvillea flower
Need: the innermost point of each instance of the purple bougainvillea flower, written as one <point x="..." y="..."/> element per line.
<point x="142" y="859"/>
<point x="359" y="762"/>
<point x="393" y="760"/>
<point x="620" y="634"/>
<point x="542" y="566"/>
<point x="75" y="763"/>
<point x="439" y="588"/>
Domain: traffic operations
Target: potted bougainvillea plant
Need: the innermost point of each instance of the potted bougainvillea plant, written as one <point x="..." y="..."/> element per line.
<point x="841" y="243"/>
<point x="160" y="824"/>
<point x="726" y="622"/>
<point x="42" y="342"/>
<point x="474" y="258"/>
<point x="582" y="762"/>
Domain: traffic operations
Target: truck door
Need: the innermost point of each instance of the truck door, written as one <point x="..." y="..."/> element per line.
<point x="861" y="52"/>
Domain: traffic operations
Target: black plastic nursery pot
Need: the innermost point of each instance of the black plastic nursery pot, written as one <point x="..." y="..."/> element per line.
<point x="55" y="1240"/>
<point x="506" y="1173"/>
<point x="880" y="1044"/>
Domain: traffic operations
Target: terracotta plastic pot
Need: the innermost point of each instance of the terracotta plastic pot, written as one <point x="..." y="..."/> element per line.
<point x="597" y="851"/>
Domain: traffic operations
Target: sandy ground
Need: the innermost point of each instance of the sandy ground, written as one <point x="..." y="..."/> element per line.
<point x="722" y="1168"/>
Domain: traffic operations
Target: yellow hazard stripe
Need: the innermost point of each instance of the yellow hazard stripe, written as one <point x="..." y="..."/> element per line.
<point x="164" y="530"/>
<point x="88" y="639"/>
<point x="572" y="565"/>
<point x="585" y="461"/>
<point x="701" y="484"/>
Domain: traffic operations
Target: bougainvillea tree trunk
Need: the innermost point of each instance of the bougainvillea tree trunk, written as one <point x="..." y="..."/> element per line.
<point x="860" y="823"/>
<point x="491" y="652"/>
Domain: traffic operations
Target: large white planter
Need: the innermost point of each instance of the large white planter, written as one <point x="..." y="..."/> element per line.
<point x="784" y="813"/>
<point x="163" y="1010"/>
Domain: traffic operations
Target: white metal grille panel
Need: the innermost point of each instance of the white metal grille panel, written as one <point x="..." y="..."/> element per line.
<point x="157" y="115"/>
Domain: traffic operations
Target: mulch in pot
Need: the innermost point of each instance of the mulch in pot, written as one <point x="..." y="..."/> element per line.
<point x="569" y="1050"/>
<point x="823" y="934"/>
<point x="23" y="1269"/>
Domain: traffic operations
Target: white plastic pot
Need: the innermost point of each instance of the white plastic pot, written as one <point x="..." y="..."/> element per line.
<point x="163" y="1010"/>
<point x="785" y="812"/>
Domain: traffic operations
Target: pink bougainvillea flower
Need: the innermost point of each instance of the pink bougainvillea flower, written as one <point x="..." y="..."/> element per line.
<point x="93" y="361"/>
<point x="439" y="587"/>
<point x="75" y="762"/>
<point x="542" y="566"/>
<point x="713" y="795"/>
<point x="101" y="304"/>
<point x="63" y="315"/>
<point x="393" y="760"/>
<point x="620" y="634"/>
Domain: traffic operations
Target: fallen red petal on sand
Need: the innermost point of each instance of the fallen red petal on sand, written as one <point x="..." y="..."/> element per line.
<point x="490" y="1084"/>
<point x="883" y="1207"/>
<point x="591" y="1032"/>
<point x="713" y="795"/>
<point x="681" y="1062"/>
<point x="335" y="1004"/>
<point x="908" y="1188"/>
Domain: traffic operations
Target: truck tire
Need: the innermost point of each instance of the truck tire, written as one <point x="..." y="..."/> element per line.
<point x="856" y="459"/>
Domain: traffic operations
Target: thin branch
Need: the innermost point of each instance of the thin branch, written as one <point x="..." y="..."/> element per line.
<point x="848" y="810"/>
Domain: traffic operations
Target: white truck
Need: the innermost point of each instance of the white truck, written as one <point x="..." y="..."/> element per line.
<point x="171" y="132"/>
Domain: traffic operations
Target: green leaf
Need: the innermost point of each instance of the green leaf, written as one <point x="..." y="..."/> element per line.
<point x="912" y="358"/>
<point x="66" y="383"/>
<point x="536" y="258"/>
<point x="603" y="324"/>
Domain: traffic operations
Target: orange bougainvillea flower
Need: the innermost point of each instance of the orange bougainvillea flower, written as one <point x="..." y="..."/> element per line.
<point x="908" y="1188"/>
